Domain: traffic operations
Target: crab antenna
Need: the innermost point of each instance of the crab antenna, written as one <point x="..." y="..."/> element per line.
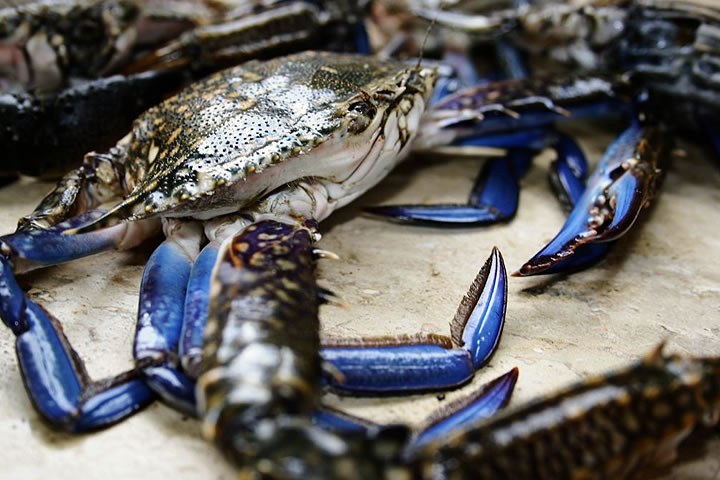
<point x="427" y="34"/>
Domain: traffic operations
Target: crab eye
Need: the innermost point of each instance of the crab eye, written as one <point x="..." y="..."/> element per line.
<point x="360" y="114"/>
<point x="362" y="108"/>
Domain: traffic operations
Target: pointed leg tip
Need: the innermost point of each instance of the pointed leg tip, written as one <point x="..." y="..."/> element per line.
<point x="526" y="270"/>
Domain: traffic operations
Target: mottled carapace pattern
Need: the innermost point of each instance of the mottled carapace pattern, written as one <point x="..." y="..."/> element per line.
<point x="603" y="428"/>
<point x="239" y="122"/>
<point x="261" y="357"/>
<point x="201" y="152"/>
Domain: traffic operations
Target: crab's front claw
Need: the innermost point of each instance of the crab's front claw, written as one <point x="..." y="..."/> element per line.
<point x="406" y="364"/>
<point x="623" y="183"/>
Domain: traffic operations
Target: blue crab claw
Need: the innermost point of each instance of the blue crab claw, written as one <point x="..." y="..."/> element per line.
<point x="490" y="398"/>
<point x="623" y="183"/>
<point x="485" y="403"/>
<point x="567" y="177"/>
<point x="411" y="364"/>
<point x="174" y="302"/>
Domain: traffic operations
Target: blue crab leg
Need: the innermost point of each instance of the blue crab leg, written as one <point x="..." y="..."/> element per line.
<point x="197" y="300"/>
<point x="407" y="364"/>
<point x="494" y="197"/>
<point x="53" y="374"/>
<point x="621" y="185"/>
<point x="161" y="312"/>
<point x="523" y="103"/>
<point x="37" y="248"/>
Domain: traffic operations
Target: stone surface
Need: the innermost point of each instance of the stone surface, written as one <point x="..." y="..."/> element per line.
<point x="661" y="282"/>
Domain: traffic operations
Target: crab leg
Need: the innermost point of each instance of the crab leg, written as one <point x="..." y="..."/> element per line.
<point x="54" y="376"/>
<point x="511" y="114"/>
<point x="494" y="197"/>
<point x="100" y="178"/>
<point x="196" y="308"/>
<point x="160" y="314"/>
<point x="622" y="184"/>
<point x="518" y="104"/>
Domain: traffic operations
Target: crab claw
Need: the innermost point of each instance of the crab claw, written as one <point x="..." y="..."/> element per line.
<point x="623" y="183"/>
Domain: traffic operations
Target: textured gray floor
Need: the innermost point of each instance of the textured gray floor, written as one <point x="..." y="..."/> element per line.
<point x="660" y="282"/>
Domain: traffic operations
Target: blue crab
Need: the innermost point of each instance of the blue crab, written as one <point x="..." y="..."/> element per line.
<point x="233" y="163"/>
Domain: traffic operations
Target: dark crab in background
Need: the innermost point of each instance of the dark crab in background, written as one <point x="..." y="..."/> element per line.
<point x="74" y="74"/>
